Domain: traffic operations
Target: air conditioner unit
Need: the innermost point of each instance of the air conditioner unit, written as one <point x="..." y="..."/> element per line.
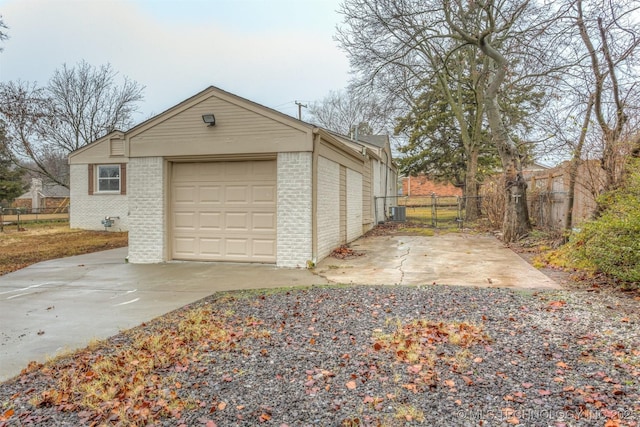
<point x="398" y="213"/>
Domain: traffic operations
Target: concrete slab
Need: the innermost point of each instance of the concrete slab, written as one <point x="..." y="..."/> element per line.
<point x="60" y="305"/>
<point x="451" y="259"/>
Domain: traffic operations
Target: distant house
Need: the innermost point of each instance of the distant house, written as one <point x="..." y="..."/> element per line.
<point x="220" y="178"/>
<point x="43" y="196"/>
<point x="421" y="185"/>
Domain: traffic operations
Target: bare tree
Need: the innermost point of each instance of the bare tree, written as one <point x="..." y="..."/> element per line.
<point x="3" y="33"/>
<point x="397" y="44"/>
<point x="80" y="105"/>
<point x="347" y="110"/>
<point x="610" y="32"/>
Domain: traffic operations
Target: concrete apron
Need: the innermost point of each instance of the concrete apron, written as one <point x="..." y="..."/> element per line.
<point x="56" y="306"/>
<point x="448" y="259"/>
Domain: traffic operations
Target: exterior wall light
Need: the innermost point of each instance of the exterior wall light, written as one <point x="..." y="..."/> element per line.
<point x="209" y="119"/>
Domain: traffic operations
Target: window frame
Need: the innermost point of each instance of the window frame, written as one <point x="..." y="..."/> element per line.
<point x="98" y="179"/>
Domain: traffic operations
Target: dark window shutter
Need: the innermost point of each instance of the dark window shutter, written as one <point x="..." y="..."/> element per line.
<point x="123" y="179"/>
<point x="90" y="175"/>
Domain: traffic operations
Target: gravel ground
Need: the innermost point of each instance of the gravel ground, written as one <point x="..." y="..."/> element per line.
<point x="367" y="356"/>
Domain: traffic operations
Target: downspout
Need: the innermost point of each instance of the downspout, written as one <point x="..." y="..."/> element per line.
<point x="314" y="196"/>
<point x="386" y="182"/>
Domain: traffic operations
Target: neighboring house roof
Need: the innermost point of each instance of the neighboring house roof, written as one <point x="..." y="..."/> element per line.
<point x="377" y="140"/>
<point x="46" y="190"/>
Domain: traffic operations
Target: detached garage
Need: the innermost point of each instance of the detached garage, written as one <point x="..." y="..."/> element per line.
<point x="220" y="178"/>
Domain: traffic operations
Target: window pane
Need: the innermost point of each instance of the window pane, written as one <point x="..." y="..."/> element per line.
<point x="108" y="171"/>
<point x="109" y="178"/>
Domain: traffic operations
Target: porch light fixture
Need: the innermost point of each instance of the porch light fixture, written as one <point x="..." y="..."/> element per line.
<point x="209" y="119"/>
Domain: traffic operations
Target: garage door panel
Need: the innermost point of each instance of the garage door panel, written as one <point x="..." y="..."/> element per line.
<point x="211" y="247"/>
<point x="184" y="194"/>
<point x="237" y="247"/>
<point x="210" y="221"/>
<point x="264" y="169"/>
<point x="263" y="194"/>
<point x="237" y="221"/>
<point x="264" y="248"/>
<point x="224" y="211"/>
<point x="263" y="221"/>
<point x="184" y="221"/>
<point x="237" y="194"/>
<point x="185" y="246"/>
<point x="210" y="194"/>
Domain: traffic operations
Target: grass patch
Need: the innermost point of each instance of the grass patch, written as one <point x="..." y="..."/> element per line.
<point x="43" y="241"/>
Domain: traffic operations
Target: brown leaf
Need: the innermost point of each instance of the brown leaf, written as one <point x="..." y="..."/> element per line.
<point x="264" y="417"/>
<point x="222" y="406"/>
<point x="449" y="383"/>
<point x="467" y="380"/>
<point x="544" y="392"/>
<point x="351" y="385"/>
<point x="7" y="414"/>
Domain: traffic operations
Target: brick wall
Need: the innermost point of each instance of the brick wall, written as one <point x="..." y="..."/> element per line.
<point x="146" y="180"/>
<point x="294" y="240"/>
<point x="421" y="186"/>
<point x="354" y="205"/>
<point x="328" y="215"/>
<point x="88" y="211"/>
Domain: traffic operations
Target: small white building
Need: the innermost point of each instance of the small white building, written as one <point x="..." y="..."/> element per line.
<point x="221" y="178"/>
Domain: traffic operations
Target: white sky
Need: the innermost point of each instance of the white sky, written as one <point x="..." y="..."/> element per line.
<point x="269" y="51"/>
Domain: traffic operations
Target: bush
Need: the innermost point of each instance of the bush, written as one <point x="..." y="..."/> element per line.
<point x="611" y="243"/>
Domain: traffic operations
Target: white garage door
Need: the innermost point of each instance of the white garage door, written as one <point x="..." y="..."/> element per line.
<point x="224" y="211"/>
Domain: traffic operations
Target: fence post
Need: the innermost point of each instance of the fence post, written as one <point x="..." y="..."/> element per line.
<point x="434" y="210"/>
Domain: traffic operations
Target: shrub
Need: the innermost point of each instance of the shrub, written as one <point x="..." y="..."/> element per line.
<point x="611" y="242"/>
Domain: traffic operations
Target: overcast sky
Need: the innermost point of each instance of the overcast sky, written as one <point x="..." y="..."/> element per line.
<point x="270" y="51"/>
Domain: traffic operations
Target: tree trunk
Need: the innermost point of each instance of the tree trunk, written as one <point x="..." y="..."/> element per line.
<point x="472" y="208"/>
<point x="576" y="161"/>
<point x="516" y="224"/>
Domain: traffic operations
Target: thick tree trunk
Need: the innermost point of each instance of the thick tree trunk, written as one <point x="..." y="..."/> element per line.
<point x="472" y="208"/>
<point x="516" y="224"/>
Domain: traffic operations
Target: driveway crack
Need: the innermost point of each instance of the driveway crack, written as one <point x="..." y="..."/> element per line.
<point x="400" y="268"/>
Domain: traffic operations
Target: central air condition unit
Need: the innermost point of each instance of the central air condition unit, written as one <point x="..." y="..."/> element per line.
<point x="398" y="213"/>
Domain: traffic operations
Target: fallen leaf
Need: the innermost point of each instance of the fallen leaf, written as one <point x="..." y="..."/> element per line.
<point x="527" y="385"/>
<point x="7" y="414"/>
<point x="544" y="392"/>
<point x="351" y="385"/>
<point x="222" y="406"/>
<point x="557" y="303"/>
<point x="264" y="418"/>
<point x="449" y="383"/>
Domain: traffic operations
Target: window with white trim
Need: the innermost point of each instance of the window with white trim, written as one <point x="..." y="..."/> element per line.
<point x="108" y="178"/>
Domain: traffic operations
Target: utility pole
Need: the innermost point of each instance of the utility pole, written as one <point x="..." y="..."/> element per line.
<point x="300" y="105"/>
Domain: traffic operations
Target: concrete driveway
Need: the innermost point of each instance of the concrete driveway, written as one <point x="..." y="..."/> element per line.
<point x="60" y="305"/>
<point x="448" y="259"/>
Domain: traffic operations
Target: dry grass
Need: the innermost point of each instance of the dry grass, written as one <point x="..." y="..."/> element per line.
<point x="50" y="240"/>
